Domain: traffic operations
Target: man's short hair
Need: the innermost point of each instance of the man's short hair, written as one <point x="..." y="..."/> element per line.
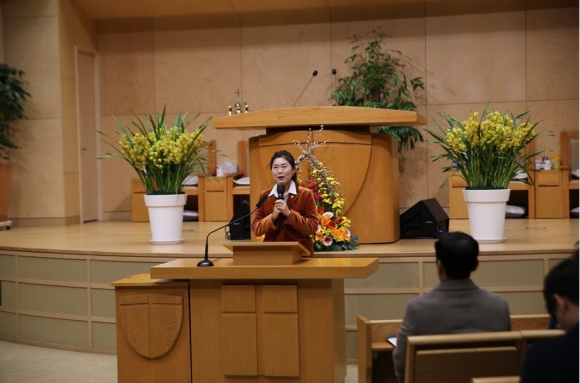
<point x="562" y="280"/>
<point x="457" y="252"/>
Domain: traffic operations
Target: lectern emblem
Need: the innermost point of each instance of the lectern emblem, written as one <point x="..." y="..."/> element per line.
<point x="151" y="323"/>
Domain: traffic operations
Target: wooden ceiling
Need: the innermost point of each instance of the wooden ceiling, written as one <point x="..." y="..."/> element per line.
<point x="114" y="9"/>
<point x="110" y="9"/>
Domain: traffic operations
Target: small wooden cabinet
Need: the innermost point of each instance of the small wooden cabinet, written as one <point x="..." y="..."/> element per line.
<point x="139" y="212"/>
<point x="214" y="201"/>
<point x="549" y="194"/>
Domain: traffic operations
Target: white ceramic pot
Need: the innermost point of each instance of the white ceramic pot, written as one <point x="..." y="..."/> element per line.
<point x="166" y="217"/>
<point x="486" y="212"/>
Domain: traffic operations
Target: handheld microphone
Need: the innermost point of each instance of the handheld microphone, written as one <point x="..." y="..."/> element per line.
<point x="280" y="191"/>
<point x="308" y="83"/>
<point x="206" y="262"/>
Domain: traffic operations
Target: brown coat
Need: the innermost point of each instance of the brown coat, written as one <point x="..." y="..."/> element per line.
<point x="298" y="226"/>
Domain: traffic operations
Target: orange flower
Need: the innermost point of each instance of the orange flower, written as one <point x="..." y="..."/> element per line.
<point x="324" y="222"/>
<point x="339" y="233"/>
<point x="318" y="236"/>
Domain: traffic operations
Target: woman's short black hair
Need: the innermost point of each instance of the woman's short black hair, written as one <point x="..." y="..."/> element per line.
<point x="458" y="253"/>
<point x="288" y="157"/>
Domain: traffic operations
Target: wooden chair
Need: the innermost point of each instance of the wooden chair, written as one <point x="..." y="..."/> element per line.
<point x="371" y="339"/>
<point x="198" y="190"/>
<point x="234" y="190"/>
<point x="457" y="358"/>
<point x="568" y="162"/>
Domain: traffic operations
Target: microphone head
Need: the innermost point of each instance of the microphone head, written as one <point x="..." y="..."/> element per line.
<point x="280" y="191"/>
<point x="333" y="71"/>
<point x="314" y="73"/>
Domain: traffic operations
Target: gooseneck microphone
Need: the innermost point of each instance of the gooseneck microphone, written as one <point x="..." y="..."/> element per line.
<point x="334" y="85"/>
<point x="206" y="262"/>
<point x="308" y="83"/>
<point x="280" y="191"/>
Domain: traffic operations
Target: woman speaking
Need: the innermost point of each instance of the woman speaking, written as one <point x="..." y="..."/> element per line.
<point x="289" y="212"/>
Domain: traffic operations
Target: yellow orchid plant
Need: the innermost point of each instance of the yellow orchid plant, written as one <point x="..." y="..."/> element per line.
<point x="487" y="151"/>
<point x="162" y="155"/>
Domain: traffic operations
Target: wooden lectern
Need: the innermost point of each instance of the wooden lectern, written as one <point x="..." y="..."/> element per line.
<point x="365" y="163"/>
<point x="252" y="320"/>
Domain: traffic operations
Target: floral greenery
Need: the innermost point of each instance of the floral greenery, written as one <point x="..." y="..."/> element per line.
<point x="377" y="80"/>
<point x="487" y="152"/>
<point x="12" y="94"/>
<point x="163" y="156"/>
<point x="333" y="231"/>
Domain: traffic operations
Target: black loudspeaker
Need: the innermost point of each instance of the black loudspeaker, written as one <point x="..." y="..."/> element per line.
<point x="425" y="219"/>
<point x="240" y="229"/>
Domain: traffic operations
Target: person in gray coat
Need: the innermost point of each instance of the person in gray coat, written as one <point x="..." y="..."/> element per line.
<point x="456" y="304"/>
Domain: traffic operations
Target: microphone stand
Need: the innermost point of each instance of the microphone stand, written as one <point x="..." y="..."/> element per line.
<point x="206" y="262"/>
<point x="308" y="83"/>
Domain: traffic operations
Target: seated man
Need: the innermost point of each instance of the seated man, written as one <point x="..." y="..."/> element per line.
<point x="556" y="359"/>
<point x="456" y="305"/>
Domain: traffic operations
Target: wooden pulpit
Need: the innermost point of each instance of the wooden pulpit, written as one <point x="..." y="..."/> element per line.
<point x="260" y="320"/>
<point x="365" y="163"/>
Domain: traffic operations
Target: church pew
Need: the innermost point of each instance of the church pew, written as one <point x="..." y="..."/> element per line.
<point x="374" y="352"/>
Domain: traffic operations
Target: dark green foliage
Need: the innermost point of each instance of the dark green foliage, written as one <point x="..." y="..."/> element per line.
<point x="377" y="80"/>
<point x="11" y="97"/>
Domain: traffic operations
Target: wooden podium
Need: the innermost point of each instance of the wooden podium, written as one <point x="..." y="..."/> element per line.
<point x="249" y="322"/>
<point x="365" y="163"/>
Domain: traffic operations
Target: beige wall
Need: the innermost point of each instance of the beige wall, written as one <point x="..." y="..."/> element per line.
<point x="39" y="37"/>
<point x="520" y="55"/>
<point x="514" y="57"/>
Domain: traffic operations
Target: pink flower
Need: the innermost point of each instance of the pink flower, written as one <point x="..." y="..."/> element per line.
<point x="328" y="215"/>
<point x="327" y="241"/>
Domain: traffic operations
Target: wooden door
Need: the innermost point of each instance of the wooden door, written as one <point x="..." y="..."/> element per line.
<point x="87" y="132"/>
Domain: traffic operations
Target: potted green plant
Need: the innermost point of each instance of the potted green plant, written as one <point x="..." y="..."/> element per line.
<point x="487" y="152"/>
<point x="377" y="80"/>
<point x="163" y="155"/>
<point x="12" y="96"/>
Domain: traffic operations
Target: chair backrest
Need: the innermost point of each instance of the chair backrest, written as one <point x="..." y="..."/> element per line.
<point x="497" y="379"/>
<point x="244" y="158"/>
<point x="530" y="322"/>
<point x="457" y="358"/>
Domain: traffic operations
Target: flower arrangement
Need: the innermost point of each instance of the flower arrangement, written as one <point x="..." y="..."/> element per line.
<point x="333" y="231"/>
<point x="162" y="155"/>
<point x="487" y="152"/>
